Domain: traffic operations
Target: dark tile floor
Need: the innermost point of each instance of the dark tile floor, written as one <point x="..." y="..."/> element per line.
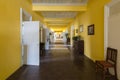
<point x="72" y="66"/>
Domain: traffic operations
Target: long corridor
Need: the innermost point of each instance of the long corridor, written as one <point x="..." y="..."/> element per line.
<point x="62" y="64"/>
<point x="59" y="63"/>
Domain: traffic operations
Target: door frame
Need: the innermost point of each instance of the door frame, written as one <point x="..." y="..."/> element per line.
<point x="71" y="35"/>
<point x="27" y="15"/>
<point x="106" y="17"/>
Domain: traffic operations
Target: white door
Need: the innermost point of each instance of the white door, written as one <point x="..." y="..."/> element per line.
<point x="31" y="42"/>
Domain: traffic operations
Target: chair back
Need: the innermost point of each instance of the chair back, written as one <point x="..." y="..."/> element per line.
<point x="111" y="55"/>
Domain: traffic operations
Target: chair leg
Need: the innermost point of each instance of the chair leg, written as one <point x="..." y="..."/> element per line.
<point x="104" y="75"/>
<point x="107" y="71"/>
<point x="96" y="67"/>
<point x="115" y="73"/>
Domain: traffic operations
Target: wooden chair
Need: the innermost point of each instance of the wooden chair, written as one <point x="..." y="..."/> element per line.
<point x="110" y="62"/>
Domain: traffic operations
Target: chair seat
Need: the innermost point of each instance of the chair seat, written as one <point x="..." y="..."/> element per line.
<point x="104" y="64"/>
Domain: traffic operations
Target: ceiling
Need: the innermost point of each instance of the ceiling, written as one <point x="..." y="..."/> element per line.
<point x="60" y="1"/>
<point x="59" y="12"/>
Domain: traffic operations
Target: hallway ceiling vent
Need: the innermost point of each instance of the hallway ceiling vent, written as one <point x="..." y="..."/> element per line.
<point x="59" y="14"/>
<point x="61" y="2"/>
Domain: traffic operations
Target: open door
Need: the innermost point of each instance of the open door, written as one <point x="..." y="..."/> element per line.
<point x="31" y="42"/>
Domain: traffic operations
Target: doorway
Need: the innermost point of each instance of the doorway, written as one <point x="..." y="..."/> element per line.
<point x="24" y="16"/>
<point x="111" y="39"/>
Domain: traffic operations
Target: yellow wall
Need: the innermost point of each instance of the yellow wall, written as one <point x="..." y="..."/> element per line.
<point x="94" y="44"/>
<point x="10" y="49"/>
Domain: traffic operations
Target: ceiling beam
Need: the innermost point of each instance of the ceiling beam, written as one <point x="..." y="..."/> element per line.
<point x="57" y="24"/>
<point x="58" y="31"/>
<point x="58" y="20"/>
<point x="58" y="8"/>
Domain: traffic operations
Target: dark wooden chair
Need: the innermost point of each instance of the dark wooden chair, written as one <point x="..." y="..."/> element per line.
<point x="110" y="62"/>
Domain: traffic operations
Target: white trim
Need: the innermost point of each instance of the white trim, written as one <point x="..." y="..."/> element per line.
<point x="21" y="43"/>
<point x="21" y="24"/>
<point x="106" y="15"/>
<point x="27" y="14"/>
